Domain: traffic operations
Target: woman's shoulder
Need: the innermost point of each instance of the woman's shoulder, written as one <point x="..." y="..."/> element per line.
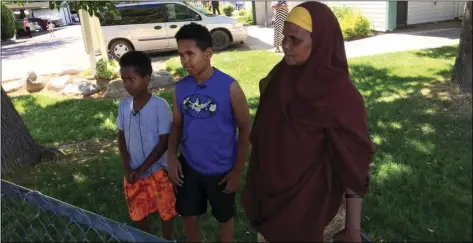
<point x="263" y="83"/>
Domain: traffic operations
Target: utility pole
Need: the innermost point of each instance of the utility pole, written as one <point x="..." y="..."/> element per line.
<point x="253" y="9"/>
<point x="266" y="14"/>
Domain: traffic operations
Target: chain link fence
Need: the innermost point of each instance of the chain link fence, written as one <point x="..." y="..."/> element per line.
<point x="29" y="216"/>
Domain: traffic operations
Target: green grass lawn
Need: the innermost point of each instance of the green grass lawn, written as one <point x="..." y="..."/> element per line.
<point x="421" y="176"/>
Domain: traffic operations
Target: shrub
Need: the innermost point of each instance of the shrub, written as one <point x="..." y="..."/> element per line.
<point x="342" y="11"/>
<point x="8" y="23"/>
<point x="106" y="70"/>
<point x="228" y="9"/>
<point x="355" y="26"/>
<point x="247" y="18"/>
<point x="242" y="12"/>
<point x="352" y="23"/>
<point x="19" y="25"/>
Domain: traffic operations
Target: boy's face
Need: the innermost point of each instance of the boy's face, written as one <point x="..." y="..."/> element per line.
<point x="134" y="83"/>
<point x="193" y="59"/>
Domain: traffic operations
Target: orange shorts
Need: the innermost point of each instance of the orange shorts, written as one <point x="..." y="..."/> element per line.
<point x="151" y="194"/>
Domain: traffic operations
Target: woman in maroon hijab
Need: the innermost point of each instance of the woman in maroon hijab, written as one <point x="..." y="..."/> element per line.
<point x="310" y="142"/>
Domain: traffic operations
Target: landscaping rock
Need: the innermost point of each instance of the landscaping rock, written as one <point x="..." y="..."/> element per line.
<point x="33" y="83"/>
<point x="81" y="88"/>
<point x="69" y="72"/>
<point x="59" y="83"/>
<point x="12" y="86"/>
<point x="93" y="81"/>
<point x="115" y="89"/>
<point x="103" y="83"/>
<point x="160" y="79"/>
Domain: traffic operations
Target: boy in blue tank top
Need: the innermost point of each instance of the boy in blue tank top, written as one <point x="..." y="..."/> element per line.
<point x="209" y="107"/>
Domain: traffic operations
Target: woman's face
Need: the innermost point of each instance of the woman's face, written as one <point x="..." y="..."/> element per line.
<point x="297" y="44"/>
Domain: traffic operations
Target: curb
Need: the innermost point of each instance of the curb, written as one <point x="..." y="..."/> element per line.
<point x="425" y="31"/>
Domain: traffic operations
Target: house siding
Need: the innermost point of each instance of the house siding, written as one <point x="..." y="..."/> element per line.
<point x="260" y="12"/>
<point x="292" y="4"/>
<point x="374" y="11"/>
<point x="461" y="9"/>
<point x="259" y="9"/>
<point x="427" y="12"/>
<point x="383" y="15"/>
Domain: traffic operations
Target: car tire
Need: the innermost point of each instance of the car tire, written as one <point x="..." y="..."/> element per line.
<point x="120" y="47"/>
<point x="220" y="40"/>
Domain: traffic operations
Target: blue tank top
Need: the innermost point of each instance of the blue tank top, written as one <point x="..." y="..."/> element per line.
<point x="209" y="141"/>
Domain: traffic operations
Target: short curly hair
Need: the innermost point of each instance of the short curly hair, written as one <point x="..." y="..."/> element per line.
<point x="196" y="32"/>
<point x="139" y="60"/>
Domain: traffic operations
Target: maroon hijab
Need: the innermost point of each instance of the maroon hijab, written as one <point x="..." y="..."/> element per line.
<point x="310" y="141"/>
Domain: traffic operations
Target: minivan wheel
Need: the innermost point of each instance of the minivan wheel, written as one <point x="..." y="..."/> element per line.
<point x="119" y="47"/>
<point x="220" y="39"/>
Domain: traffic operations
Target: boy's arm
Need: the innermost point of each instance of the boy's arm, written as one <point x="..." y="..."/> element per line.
<point x="125" y="156"/>
<point x="175" y="136"/>
<point x="123" y="151"/>
<point x="156" y="154"/>
<point x="242" y="116"/>
<point x="164" y="123"/>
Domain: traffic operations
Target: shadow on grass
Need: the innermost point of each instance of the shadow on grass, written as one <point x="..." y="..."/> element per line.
<point x="55" y="122"/>
<point x="423" y="158"/>
<point x="445" y="52"/>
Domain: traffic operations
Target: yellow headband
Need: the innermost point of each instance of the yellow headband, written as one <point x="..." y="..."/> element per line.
<point x="301" y="17"/>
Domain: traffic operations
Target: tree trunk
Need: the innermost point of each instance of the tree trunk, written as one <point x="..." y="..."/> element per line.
<point x="462" y="70"/>
<point x="18" y="146"/>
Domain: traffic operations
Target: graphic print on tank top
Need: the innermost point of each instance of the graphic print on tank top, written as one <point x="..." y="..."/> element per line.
<point x="199" y="106"/>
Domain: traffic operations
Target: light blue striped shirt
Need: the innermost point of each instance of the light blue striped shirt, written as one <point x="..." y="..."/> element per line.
<point x="142" y="130"/>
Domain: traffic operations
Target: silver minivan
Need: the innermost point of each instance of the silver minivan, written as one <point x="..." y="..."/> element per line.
<point x="151" y="26"/>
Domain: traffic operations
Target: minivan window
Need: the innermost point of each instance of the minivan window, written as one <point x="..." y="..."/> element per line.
<point x="200" y="9"/>
<point x="136" y="14"/>
<point x="178" y="12"/>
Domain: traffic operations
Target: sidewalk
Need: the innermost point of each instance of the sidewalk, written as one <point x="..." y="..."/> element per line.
<point x="44" y="54"/>
<point x="261" y="38"/>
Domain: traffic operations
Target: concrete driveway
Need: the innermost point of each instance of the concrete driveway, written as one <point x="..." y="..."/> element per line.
<point x="44" y="54"/>
<point x="262" y="39"/>
<point x="396" y="42"/>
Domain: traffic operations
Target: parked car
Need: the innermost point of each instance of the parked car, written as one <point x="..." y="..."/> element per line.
<point x="151" y="26"/>
<point x="20" y="27"/>
<point x="38" y="21"/>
